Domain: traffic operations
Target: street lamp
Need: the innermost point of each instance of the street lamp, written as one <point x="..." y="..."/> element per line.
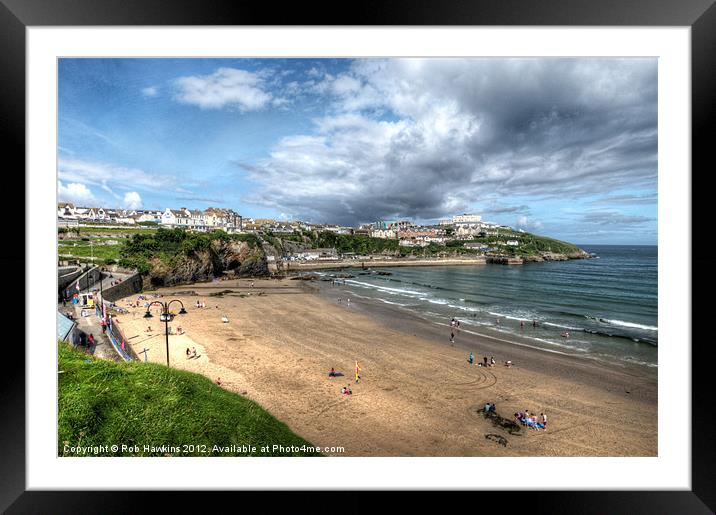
<point x="165" y="317"/>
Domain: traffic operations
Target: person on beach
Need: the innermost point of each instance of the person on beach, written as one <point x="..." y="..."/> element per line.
<point x="471" y="359"/>
<point x="565" y="334"/>
<point x="193" y="352"/>
<point x="484" y="359"/>
<point x="508" y="363"/>
<point x="348" y="301"/>
<point x="492" y="361"/>
<point x="544" y="420"/>
<point x="534" y="323"/>
<point x="457" y="324"/>
<point x="90" y="340"/>
<point x="343" y="390"/>
<point x="452" y="338"/>
<point x="218" y="381"/>
<point x="188" y="353"/>
<point x="522" y="324"/>
<point x="332" y="373"/>
<point x="357" y="370"/>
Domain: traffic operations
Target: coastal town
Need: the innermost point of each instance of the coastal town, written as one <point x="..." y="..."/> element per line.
<point x="462" y="228"/>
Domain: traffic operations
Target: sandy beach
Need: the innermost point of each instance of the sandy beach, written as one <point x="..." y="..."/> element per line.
<point x="417" y="396"/>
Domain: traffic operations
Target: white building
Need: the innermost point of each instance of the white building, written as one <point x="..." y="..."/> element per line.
<point x="467" y="218"/>
<point x="386" y="234"/>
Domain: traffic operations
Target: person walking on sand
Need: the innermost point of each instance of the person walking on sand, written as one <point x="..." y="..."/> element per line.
<point x="471" y="359"/>
<point x="452" y="337"/>
<point x="357" y="370"/>
<point x="544" y="420"/>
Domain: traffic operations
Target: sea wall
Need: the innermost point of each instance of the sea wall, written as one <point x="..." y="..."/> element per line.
<point x="85" y="280"/>
<point x="66" y="275"/>
<point x="129" y="286"/>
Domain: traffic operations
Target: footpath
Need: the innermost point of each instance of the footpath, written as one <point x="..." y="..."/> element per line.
<point x="90" y="324"/>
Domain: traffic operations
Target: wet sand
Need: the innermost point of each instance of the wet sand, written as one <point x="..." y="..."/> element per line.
<point x="417" y="396"/>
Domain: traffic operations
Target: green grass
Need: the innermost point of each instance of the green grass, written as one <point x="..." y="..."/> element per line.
<point x="83" y="249"/>
<point x="103" y="403"/>
<point x="125" y="230"/>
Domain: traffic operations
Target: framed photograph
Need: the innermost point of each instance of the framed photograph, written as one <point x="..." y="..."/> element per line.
<point x="419" y="249"/>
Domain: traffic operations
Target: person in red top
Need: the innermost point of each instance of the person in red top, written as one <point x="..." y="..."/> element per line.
<point x="90" y="340"/>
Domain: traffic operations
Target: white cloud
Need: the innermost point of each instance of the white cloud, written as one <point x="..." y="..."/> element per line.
<point x="106" y="174"/>
<point x="150" y="91"/>
<point x="132" y="200"/>
<point x="525" y="222"/>
<point x="226" y="87"/>
<point x="76" y="193"/>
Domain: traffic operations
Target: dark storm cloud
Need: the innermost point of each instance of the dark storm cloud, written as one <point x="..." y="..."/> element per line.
<point x="464" y="131"/>
<point x="613" y="219"/>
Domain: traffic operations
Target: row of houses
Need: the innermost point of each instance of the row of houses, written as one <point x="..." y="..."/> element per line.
<point x="210" y="219"/>
<point x="68" y="211"/>
<point x="193" y="219"/>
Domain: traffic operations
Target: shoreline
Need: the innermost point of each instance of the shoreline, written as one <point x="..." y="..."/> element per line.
<point x="290" y="267"/>
<point x="417" y="395"/>
<point x="295" y="266"/>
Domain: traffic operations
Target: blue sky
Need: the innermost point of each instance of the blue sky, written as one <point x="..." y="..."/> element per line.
<point x="561" y="147"/>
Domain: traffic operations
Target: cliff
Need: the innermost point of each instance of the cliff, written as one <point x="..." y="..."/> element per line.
<point x="221" y="258"/>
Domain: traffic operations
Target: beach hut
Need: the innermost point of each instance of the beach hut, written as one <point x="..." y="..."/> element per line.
<point x="66" y="328"/>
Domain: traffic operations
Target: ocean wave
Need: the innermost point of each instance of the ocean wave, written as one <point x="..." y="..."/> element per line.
<point x="612" y="334"/>
<point x="552" y="324"/>
<point x="621" y="323"/>
<point x="393" y="291"/>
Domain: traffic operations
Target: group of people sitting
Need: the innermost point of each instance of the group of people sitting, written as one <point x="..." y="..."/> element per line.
<point x="190" y="353"/>
<point x="490" y="407"/>
<point x="200" y="304"/>
<point x="531" y="421"/>
<point x="346" y="390"/>
<point x="485" y="362"/>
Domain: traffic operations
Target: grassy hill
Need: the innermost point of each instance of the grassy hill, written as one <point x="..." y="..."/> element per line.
<point x="102" y="403"/>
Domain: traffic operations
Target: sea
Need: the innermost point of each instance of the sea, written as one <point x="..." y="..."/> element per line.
<point x="607" y="304"/>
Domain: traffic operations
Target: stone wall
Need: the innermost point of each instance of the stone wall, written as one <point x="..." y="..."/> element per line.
<point x="86" y="280"/>
<point x="129" y="286"/>
<point x="67" y="276"/>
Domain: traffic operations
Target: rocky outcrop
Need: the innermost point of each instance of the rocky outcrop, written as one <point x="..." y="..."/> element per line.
<point x="222" y="258"/>
<point x="555" y="256"/>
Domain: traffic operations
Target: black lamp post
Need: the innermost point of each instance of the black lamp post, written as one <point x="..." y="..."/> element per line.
<point x="165" y="317"/>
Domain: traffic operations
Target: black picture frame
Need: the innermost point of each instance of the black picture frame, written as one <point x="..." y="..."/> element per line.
<point x="700" y="15"/>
